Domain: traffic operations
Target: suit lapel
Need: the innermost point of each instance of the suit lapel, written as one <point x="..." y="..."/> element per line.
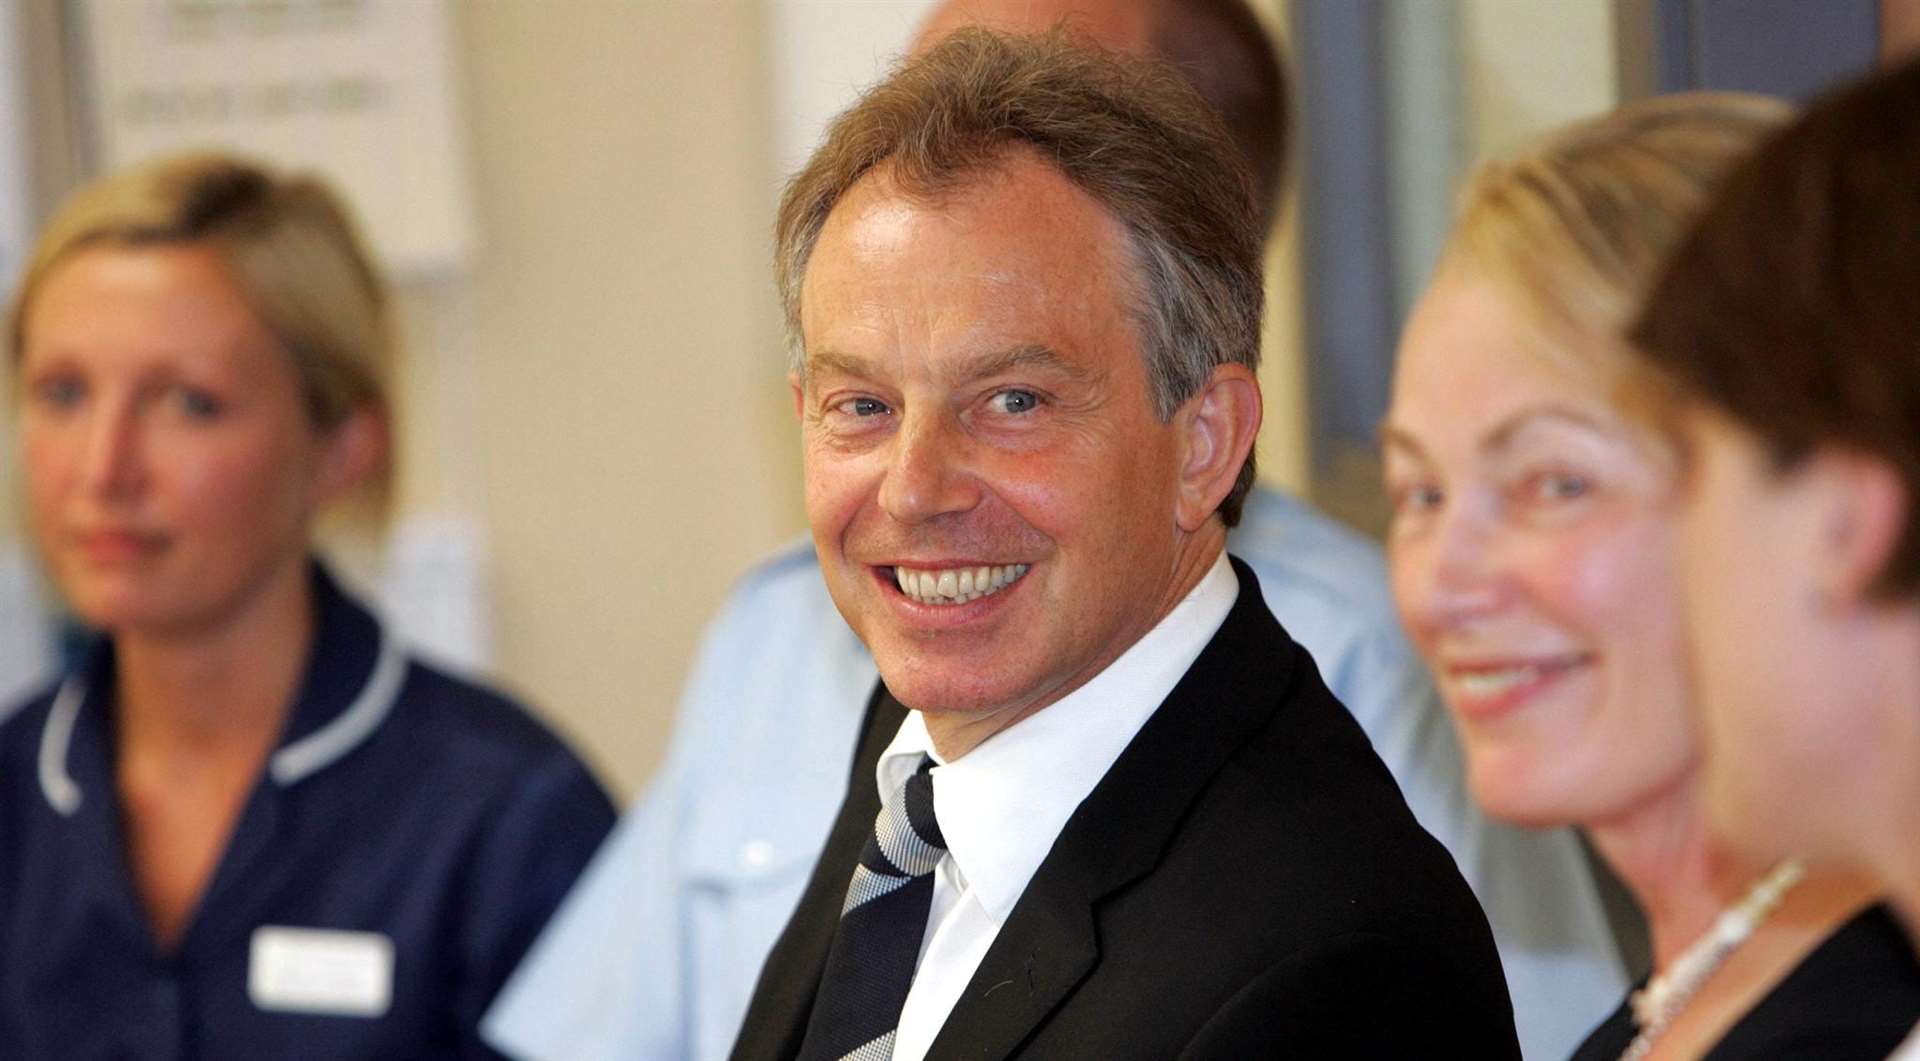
<point x="1119" y="833"/>
<point x="776" y="1022"/>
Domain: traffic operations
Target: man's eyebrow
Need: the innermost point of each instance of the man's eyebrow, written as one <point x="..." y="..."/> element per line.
<point x="1027" y="355"/>
<point x="836" y="362"/>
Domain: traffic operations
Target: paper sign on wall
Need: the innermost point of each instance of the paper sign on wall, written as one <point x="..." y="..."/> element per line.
<point x="360" y="91"/>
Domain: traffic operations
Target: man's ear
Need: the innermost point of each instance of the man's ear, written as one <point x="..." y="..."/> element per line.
<point x="1864" y="510"/>
<point x="351" y="452"/>
<point x="799" y="388"/>
<point x="1217" y="426"/>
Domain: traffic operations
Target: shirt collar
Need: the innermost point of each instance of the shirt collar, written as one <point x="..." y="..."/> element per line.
<point x="352" y="679"/>
<point x="1002" y="805"/>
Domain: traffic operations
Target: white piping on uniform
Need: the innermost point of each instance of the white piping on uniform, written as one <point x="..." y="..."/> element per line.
<point x="292" y="763"/>
<point x="62" y="792"/>
<point x="323" y="747"/>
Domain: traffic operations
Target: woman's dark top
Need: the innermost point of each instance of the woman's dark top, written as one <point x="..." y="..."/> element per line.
<point x="1857" y="995"/>
<point x="409" y="838"/>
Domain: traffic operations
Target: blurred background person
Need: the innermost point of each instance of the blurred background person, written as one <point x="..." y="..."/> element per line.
<point x="1531" y="550"/>
<point x="1786" y="332"/>
<point x="656" y="953"/>
<point x="245" y="824"/>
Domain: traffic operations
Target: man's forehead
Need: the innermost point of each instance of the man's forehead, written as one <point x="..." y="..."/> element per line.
<point x="996" y="168"/>
<point x="965" y="366"/>
<point x="887" y="200"/>
<point x="1011" y="260"/>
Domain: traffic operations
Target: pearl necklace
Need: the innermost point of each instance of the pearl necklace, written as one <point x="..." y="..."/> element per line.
<point x="1656" y="1005"/>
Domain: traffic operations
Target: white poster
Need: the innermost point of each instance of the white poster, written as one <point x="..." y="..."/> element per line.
<point x="360" y="91"/>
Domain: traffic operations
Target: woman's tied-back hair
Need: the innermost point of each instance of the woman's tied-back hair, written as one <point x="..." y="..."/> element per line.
<point x="1130" y="133"/>
<point x="288" y="246"/>
<point x="1573" y="227"/>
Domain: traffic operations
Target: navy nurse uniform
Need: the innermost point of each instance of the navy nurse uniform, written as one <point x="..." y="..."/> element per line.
<point x="406" y="843"/>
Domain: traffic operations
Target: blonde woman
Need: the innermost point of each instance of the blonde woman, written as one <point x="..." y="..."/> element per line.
<point x="1531" y="554"/>
<point x="246" y="824"/>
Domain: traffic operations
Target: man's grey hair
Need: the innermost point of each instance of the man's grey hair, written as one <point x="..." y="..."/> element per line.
<point x="1131" y="133"/>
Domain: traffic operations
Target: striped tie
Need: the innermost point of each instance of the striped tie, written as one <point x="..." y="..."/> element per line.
<point x="870" y="965"/>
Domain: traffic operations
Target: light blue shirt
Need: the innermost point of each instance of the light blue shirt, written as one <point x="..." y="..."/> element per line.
<point x="655" y="954"/>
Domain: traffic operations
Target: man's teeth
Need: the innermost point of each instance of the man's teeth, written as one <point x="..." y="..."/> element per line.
<point x="1495" y="682"/>
<point x="956" y="585"/>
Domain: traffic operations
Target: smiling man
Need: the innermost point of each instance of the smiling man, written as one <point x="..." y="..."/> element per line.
<point x="973" y="404"/>
<point x="1102" y="806"/>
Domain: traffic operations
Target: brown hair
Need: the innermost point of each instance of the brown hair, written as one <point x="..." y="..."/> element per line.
<point x="288" y="245"/>
<point x="1573" y="227"/>
<point x="1130" y="133"/>
<point x="1794" y="306"/>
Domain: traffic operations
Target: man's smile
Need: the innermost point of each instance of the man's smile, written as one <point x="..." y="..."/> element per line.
<point x="956" y="585"/>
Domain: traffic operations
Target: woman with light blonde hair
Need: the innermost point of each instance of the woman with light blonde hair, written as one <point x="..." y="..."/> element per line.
<point x="246" y="824"/>
<point x="1532" y="560"/>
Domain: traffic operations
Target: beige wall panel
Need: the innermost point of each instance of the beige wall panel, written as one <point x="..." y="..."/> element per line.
<point x="634" y="452"/>
<point x="1283" y="433"/>
<point x="1282" y="446"/>
<point x="1532" y="64"/>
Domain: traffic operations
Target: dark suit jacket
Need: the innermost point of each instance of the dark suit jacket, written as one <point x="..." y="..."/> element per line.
<point x="1246" y="881"/>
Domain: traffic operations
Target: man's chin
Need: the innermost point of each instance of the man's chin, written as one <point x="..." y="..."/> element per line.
<point x="957" y="692"/>
<point x="942" y="700"/>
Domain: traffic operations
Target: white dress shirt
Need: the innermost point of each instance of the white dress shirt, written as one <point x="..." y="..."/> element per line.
<point x="1002" y="805"/>
<point x="1909" y="1050"/>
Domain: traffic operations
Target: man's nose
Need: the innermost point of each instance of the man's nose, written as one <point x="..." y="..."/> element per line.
<point x="928" y="474"/>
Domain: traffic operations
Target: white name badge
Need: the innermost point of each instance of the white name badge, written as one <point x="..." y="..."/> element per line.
<point x="320" y="971"/>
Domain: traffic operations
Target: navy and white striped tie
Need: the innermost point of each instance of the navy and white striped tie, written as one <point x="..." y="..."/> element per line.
<point x="870" y="965"/>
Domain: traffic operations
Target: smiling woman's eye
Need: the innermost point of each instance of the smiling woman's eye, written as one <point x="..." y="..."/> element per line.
<point x="1416" y="497"/>
<point x="1552" y="487"/>
<point x="1413" y="505"/>
<point x="1015" y="400"/>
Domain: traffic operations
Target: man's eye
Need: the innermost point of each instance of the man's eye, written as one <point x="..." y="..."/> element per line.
<point x="1015" y="401"/>
<point x="863" y="407"/>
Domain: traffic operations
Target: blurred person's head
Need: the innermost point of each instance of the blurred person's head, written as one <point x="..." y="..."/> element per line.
<point x="1219" y="46"/>
<point x="1533" y="521"/>
<point x="199" y="349"/>
<point x="1022" y="287"/>
<point x="1784" y="338"/>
